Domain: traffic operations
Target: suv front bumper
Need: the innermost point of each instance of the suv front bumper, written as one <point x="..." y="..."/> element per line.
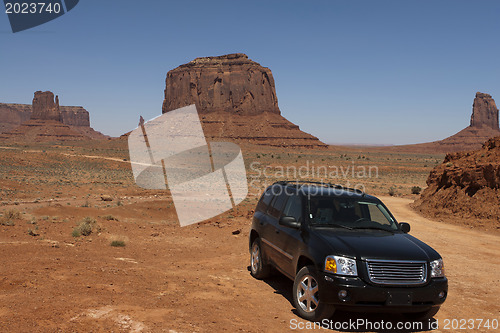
<point x="381" y="298"/>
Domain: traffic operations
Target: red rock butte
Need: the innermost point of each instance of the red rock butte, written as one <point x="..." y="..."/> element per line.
<point x="236" y="100"/>
<point x="46" y="121"/>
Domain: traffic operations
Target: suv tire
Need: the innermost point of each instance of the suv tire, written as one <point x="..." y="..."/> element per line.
<point x="306" y="297"/>
<point x="258" y="268"/>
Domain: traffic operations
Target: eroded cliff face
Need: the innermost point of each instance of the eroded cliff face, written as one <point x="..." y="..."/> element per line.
<point x="466" y="184"/>
<point x="484" y="112"/>
<point x="231" y="83"/>
<point x="13" y="115"/>
<point x="236" y="100"/>
<point x="75" y="116"/>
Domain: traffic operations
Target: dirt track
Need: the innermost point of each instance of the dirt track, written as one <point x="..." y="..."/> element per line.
<point x="192" y="279"/>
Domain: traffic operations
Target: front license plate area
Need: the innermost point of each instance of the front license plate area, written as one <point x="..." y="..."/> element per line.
<point x="399" y="298"/>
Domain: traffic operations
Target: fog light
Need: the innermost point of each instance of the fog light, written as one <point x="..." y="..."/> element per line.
<point x="442" y="294"/>
<point x="342" y="294"/>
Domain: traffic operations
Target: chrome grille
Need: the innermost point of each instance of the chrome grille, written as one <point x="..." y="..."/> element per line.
<point x="397" y="272"/>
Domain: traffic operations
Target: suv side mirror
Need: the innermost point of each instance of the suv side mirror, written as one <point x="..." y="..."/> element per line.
<point x="405" y="227"/>
<point x="289" y="221"/>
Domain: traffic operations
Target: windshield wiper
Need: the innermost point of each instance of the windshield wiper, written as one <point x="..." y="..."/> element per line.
<point x="332" y="225"/>
<point x="374" y="227"/>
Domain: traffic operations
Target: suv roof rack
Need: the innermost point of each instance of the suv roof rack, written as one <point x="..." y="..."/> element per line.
<point x="329" y="185"/>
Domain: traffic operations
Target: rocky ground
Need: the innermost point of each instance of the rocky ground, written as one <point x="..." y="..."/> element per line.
<point x="159" y="277"/>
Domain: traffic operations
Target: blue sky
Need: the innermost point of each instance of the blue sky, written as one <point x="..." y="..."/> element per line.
<point x="380" y="72"/>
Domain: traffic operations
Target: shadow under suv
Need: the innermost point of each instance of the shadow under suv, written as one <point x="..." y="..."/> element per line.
<point x="344" y="250"/>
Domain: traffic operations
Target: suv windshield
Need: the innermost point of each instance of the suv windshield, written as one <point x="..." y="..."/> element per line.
<point x="349" y="213"/>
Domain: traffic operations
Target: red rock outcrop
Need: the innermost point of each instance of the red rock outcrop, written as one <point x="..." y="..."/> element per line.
<point x="484" y="112"/>
<point x="236" y="100"/>
<point x="75" y="116"/>
<point x="13" y="115"/>
<point x="44" y="107"/>
<point x="466" y="184"/>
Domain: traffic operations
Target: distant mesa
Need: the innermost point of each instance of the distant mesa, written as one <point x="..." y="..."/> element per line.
<point x="466" y="184"/>
<point x="236" y="99"/>
<point x="45" y="120"/>
<point x="483" y="126"/>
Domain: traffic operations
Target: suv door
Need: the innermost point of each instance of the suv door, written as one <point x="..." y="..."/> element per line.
<point x="270" y="238"/>
<point x="290" y="239"/>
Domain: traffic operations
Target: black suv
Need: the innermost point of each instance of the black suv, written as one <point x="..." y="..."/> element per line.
<point x="344" y="250"/>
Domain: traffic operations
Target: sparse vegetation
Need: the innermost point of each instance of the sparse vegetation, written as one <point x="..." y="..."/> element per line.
<point x="109" y="218"/>
<point x="118" y="243"/>
<point x="33" y="232"/>
<point x="86" y="227"/>
<point x="416" y="190"/>
<point x="392" y="191"/>
<point x="9" y="216"/>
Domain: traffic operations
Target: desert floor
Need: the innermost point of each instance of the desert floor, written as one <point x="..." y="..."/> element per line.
<point x="190" y="279"/>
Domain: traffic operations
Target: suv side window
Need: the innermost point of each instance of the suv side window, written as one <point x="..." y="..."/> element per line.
<point x="265" y="200"/>
<point x="293" y="208"/>
<point x="277" y="205"/>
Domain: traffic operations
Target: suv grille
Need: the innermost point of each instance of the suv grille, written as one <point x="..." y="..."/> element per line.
<point x="397" y="272"/>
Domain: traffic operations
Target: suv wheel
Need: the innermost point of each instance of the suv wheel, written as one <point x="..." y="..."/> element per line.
<point x="306" y="296"/>
<point x="258" y="268"/>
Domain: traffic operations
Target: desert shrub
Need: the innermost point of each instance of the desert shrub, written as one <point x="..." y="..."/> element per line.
<point x="110" y="218"/>
<point x="86" y="227"/>
<point x="416" y="190"/>
<point x="6" y="222"/>
<point x="33" y="232"/>
<point x="11" y="214"/>
<point x="392" y="191"/>
<point x="118" y="243"/>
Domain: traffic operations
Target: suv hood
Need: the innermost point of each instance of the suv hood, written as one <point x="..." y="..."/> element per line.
<point x="376" y="244"/>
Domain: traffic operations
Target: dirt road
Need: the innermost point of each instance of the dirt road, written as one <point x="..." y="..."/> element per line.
<point x="191" y="279"/>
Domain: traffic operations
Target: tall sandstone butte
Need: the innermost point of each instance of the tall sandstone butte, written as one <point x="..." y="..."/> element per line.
<point x="236" y="99"/>
<point x="484" y="112"/>
<point x="44" y="106"/>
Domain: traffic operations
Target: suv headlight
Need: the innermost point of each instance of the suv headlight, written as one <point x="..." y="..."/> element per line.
<point x="341" y="266"/>
<point x="437" y="268"/>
